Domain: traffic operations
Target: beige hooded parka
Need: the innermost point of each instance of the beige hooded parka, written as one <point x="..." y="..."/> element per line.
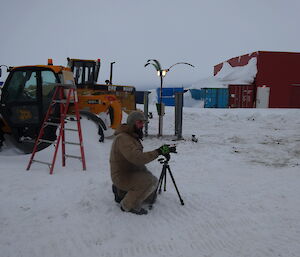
<point x="127" y="157"/>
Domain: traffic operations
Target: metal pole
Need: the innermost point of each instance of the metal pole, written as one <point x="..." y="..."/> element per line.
<point x="111" y="72"/>
<point x="160" y="121"/>
<point x="146" y="110"/>
<point x="178" y="114"/>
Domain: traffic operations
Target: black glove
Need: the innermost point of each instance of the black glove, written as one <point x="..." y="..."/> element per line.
<point x="166" y="149"/>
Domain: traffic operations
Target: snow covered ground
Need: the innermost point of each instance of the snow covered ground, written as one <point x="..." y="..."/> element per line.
<point x="240" y="184"/>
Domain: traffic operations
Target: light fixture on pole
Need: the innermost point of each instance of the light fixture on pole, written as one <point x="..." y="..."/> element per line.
<point x="162" y="73"/>
<point x="160" y="110"/>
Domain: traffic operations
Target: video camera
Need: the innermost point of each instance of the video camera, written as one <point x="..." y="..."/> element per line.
<point x="172" y="149"/>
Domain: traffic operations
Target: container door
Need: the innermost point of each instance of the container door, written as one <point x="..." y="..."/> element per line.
<point x="247" y="94"/>
<point x="222" y="98"/>
<point x="197" y="94"/>
<point x="233" y="96"/>
<point x="262" y="97"/>
<point x="210" y="98"/>
<point x="241" y="96"/>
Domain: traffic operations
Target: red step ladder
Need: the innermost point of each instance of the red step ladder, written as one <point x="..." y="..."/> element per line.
<point x="64" y="102"/>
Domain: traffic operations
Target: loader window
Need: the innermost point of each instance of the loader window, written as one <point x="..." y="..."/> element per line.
<point x="30" y="88"/>
<point x="49" y="81"/>
<point x="78" y="71"/>
<point x="84" y="73"/>
<point x="22" y="86"/>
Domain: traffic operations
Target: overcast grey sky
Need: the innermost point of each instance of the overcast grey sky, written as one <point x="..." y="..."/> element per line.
<point x="129" y="32"/>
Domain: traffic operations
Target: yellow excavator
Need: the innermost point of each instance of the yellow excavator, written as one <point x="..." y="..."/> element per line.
<point x="28" y="90"/>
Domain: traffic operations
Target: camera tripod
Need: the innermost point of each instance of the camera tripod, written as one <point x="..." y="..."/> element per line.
<point x="163" y="179"/>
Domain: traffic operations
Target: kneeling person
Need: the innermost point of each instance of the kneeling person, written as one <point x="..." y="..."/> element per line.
<point x="127" y="163"/>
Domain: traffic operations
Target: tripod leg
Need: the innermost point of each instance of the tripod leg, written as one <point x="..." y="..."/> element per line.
<point x="181" y="201"/>
<point x="163" y="178"/>
<point x="157" y="187"/>
<point x="165" y="181"/>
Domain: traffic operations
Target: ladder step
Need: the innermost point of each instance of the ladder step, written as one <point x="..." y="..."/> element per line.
<point x="72" y="143"/>
<point x="70" y="129"/>
<point x="46" y="163"/>
<point x="70" y="119"/>
<point x="52" y="123"/>
<point x="73" y="156"/>
<point x="46" y="141"/>
<point x="53" y="118"/>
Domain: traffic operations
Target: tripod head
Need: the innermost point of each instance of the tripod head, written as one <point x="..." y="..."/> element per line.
<point x="164" y="159"/>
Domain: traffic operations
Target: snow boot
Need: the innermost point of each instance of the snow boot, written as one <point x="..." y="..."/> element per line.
<point x="119" y="194"/>
<point x="142" y="211"/>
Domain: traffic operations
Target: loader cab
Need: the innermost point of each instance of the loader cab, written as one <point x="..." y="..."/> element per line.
<point x="85" y="72"/>
<point x="25" y="98"/>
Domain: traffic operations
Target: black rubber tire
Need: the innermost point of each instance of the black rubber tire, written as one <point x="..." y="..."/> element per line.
<point x="98" y="121"/>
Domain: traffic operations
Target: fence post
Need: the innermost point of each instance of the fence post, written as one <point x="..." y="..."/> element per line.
<point x="178" y="114"/>
<point x="146" y="110"/>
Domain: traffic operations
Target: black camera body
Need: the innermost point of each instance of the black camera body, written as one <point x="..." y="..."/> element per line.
<point x="167" y="156"/>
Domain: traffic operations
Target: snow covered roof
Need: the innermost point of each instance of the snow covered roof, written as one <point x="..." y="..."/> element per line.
<point x="241" y="75"/>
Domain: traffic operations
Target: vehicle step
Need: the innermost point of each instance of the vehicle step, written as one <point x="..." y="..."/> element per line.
<point x="28" y="140"/>
<point x="63" y="101"/>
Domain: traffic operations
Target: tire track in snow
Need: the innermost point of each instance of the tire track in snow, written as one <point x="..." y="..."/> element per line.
<point x="202" y="231"/>
<point x="205" y="232"/>
<point x="161" y="249"/>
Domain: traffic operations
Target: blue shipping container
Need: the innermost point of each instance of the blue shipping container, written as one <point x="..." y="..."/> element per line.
<point x="166" y="91"/>
<point x="223" y="97"/>
<point x="139" y="97"/>
<point x="168" y="95"/>
<point x="216" y="98"/>
<point x="197" y="94"/>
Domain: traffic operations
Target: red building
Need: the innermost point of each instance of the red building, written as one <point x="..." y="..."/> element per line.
<point x="279" y="72"/>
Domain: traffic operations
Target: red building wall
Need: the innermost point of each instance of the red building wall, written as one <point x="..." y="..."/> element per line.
<point x="278" y="70"/>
